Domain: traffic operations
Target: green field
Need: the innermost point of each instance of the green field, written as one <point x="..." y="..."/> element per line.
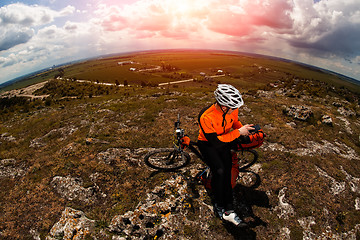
<point x="243" y="71"/>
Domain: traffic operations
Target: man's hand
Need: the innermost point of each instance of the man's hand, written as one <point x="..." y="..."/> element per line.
<point x="244" y="130"/>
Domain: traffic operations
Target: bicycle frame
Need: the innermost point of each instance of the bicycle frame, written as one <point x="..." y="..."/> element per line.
<point x="169" y="159"/>
<point x="179" y="135"/>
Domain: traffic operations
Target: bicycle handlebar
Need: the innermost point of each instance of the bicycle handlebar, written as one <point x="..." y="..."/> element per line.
<point x="179" y="132"/>
<point x="177" y="123"/>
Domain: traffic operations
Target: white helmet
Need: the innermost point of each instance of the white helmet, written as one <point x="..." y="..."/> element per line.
<point x="227" y="95"/>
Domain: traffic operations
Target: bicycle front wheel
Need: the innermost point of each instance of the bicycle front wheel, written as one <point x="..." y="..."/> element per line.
<point x="246" y="158"/>
<point x="166" y="159"/>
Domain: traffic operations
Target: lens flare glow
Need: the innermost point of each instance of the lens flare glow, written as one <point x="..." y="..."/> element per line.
<point x="295" y="29"/>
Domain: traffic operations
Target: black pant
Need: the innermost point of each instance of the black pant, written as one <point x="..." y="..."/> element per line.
<point x="220" y="163"/>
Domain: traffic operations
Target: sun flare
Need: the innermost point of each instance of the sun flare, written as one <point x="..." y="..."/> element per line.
<point x="187" y="7"/>
<point x="183" y="7"/>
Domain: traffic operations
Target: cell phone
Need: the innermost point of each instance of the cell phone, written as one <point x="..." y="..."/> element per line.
<point x="256" y="128"/>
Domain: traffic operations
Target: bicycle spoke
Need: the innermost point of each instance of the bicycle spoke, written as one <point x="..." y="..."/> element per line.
<point x="248" y="179"/>
<point x="166" y="159"/>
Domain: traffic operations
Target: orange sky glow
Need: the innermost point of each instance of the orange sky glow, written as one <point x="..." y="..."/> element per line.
<point x="34" y="34"/>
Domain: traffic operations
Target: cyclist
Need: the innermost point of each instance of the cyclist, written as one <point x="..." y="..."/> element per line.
<point x="219" y="128"/>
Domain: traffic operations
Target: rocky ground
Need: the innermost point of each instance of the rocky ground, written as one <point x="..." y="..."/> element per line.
<point x="75" y="170"/>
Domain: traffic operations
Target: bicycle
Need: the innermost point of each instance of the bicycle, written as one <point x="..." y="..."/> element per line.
<point x="175" y="158"/>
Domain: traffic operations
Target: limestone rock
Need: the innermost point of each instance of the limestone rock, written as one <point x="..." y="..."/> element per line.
<point x="162" y="213"/>
<point x="354" y="182"/>
<point x="327" y="233"/>
<point x="7" y="137"/>
<point x="112" y="155"/>
<point x="264" y="94"/>
<point x="335" y="186"/>
<point x="284" y="209"/>
<point x="8" y="168"/>
<point x="326" y="119"/>
<point x="346" y="112"/>
<point x="291" y="124"/>
<point x="298" y="112"/>
<point x="72" y="189"/>
<point x="73" y="225"/>
<point x="95" y="141"/>
<point x="59" y="134"/>
<point x="346" y="125"/>
<point x="312" y="148"/>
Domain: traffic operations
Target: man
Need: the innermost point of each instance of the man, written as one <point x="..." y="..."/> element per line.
<point x="219" y="127"/>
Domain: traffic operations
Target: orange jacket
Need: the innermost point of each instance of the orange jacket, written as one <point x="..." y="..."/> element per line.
<point x="211" y="122"/>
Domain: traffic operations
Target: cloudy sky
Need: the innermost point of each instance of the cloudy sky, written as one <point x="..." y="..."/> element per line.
<point x="39" y="34"/>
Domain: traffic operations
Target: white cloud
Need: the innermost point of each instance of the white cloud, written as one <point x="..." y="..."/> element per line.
<point x="28" y="42"/>
<point x="48" y="32"/>
<point x="24" y="15"/>
<point x="70" y="26"/>
<point x="67" y="11"/>
<point x="324" y="33"/>
<point x="7" y="61"/>
<point x="19" y="20"/>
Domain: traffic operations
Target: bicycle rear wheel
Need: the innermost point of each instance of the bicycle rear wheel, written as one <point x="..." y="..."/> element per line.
<point x="248" y="179"/>
<point x="246" y="158"/>
<point x="166" y="159"/>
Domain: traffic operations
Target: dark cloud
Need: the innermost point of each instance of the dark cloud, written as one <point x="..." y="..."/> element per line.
<point x="8" y="63"/>
<point x="344" y="41"/>
<point x="13" y="38"/>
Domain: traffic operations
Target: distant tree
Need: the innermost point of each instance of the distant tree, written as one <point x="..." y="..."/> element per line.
<point x="61" y="73"/>
<point x="125" y="83"/>
<point x="168" y="67"/>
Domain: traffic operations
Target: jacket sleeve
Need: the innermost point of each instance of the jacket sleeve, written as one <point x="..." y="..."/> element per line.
<point x="211" y="135"/>
<point x="230" y="136"/>
<point x="237" y="124"/>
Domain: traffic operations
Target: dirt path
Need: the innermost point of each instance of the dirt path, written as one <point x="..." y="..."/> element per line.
<point x="28" y="91"/>
<point x="25" y="92"/>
